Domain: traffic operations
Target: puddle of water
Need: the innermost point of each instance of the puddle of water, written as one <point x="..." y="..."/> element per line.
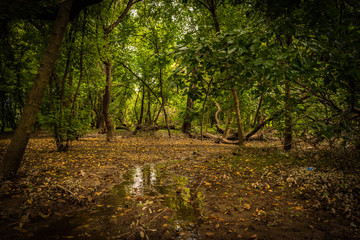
<point x="173" y="192"/>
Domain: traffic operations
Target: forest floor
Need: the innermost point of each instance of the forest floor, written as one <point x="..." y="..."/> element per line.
<point x="149" y="186"/>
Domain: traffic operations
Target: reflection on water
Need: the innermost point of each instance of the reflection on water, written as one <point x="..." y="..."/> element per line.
<point x="175" y="194"/>
<point x="141" y="182"/>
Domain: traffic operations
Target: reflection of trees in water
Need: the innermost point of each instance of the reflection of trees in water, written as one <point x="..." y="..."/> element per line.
<point x="147" y="180"/>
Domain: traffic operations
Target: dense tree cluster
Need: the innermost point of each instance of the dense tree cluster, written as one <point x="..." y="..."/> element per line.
<point x="70" y="66"/>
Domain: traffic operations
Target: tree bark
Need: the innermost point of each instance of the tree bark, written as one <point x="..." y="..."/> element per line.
<point x="257" y="128"/>
<point x="148" y="120"/>
<point x="288" y="120"/>
<point x="142" y="107"/>
<point x="256" y="118"/>
<point x="186" y="126"/>
<point x="238" y="117"/>
<point x="229" y="120"/>
<point x="218" y="122"/>
<point x="106" y="103"/>
<point x="203" y="108"/>
<point x="16" y="149"/>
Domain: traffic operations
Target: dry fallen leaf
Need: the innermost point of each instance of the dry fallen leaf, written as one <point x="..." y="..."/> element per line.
<point x="247" y="206"/>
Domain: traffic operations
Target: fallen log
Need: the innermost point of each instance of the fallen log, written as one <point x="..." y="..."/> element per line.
<point x="257" y="128"/>
<point x="218" y="139"/>
<point x="152" y="128"/>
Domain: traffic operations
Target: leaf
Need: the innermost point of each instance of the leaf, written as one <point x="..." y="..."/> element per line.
<point x="247" y="206"/>
<point x="207" y="183"/>
<point x="217" y="226"/>
<point x="44" y="215"/>
<point x="210" y="234"/>
<point x="230" y="51"/>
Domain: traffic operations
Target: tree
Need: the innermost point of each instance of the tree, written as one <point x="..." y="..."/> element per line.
<point x="107" y="29"/>
<point x="65" y="11"/>
<point x="21" y="137"/>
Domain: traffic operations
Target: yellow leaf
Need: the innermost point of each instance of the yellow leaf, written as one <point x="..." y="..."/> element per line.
<point x="44" y="215"/>
<point x="207" y="183"/>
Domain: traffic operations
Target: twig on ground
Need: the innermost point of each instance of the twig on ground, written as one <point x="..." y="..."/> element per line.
<point x="197" y="189"/>
<point x="67" y="190"/>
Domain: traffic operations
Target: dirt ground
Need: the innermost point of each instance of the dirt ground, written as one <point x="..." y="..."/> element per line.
<point x="149" y="186"/>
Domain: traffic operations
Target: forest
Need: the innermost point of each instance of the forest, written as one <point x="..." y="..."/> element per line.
<point x="180" y="119"/>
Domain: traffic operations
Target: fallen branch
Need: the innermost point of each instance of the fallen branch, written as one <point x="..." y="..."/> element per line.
<point x="219" y="139"/>
<point x="67" y="190"/>
<point x="197" y="189"/>
<point x="257" y="128"/>
<point x="9" y="225"/>
<point x="147" y="225"/>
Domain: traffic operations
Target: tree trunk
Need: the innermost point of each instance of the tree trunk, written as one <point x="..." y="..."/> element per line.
<point x="106" y="103"/>
<point x="238" y="117"/>
<point x="16" y="149"/>
<point x="229" y="120"/>
<point x="163" y="102"/>
<point x="186" y="126"/>
<point x="70" y="133"/>
<point x="203" y="108"/>
<point x="257" y="128"/>
<point x="218" y="122"/>
<point x="256" y="118"/>
<point x="148" y="120"/>
<point x="142" y="107"/>
<point x="288" y="121"/>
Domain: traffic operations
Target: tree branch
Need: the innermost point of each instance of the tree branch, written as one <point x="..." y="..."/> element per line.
<point x="121" y="17"/>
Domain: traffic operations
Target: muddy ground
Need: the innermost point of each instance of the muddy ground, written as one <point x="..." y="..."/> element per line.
<point x="151" y="187"/>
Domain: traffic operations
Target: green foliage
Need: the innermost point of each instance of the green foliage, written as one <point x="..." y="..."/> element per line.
<point x="170" y="50"/>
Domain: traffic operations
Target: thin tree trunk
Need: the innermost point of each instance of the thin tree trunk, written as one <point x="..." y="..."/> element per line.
<point x="148" y="111"/>
<point x="16" y="149"/>
<point x="203" y="108"/>
<point x="186" y="126"/>
<point x="257" y="111"/>
<point x="257" y="128"/>
<point x="218" y="122"/>
<point x="142" y="107"/>
<point x="238" y="117"/>
<point x="229" y="120"/>
<point x="81" y="63"/>
<point x="288" y="120"/>
<point x="107" y="63"/>
<point x="106" y="103"/>
<point x="163" y="102"/>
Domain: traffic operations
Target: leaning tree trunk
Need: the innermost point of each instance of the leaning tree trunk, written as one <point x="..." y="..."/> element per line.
<point x="16" y="149"/>
<point x="106" y="103"/>
<point x="288" y="121"/>
<point x="238" y="117"/>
